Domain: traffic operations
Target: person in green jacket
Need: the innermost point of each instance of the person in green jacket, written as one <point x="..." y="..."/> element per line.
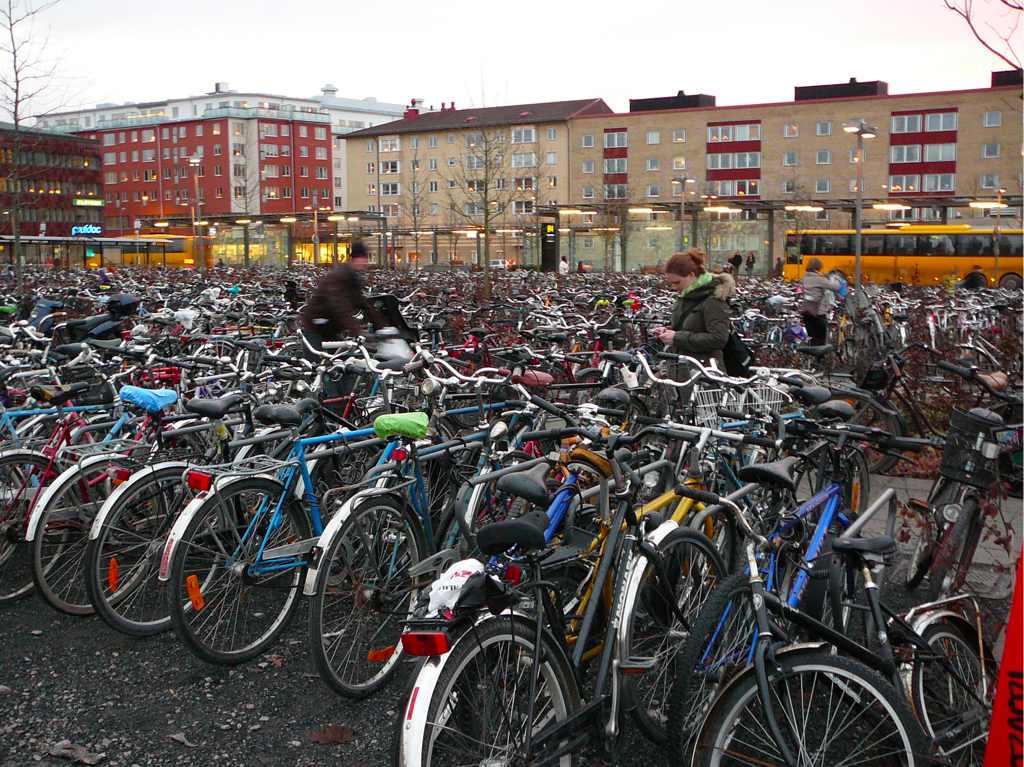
<point x="700" y="318"/>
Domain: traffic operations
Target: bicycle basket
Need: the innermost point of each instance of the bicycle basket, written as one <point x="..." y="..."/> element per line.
<point x="971" y="452"/>
<point x="762" y="398"/>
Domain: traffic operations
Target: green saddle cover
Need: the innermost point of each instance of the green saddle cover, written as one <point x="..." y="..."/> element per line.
<point x="411" y="425"/>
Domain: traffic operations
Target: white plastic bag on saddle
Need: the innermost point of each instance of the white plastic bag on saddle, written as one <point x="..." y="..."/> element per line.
<point x="444" y="592"/>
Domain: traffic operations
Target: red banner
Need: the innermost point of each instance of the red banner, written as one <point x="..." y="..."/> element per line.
<point x="1006" y="734"/>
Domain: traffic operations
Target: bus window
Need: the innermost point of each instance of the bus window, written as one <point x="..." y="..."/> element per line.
<point x="792" y="250"/>
<point x="873" y="245"/>
<point x="973" y="245"/>
<point x="901" y="245"/>
<point x="936" y="245"/>
<point x="1011" y="245"/>
<point x="835" y="244"/>
<point x="807" y="245"/>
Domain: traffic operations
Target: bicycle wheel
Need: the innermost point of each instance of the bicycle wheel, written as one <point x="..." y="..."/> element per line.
<point x="62" y="531"/>
<point x="23" y="476"/>
<point x="363" y="595"/>
<point x="868" y="412"/>
<point x="477" y="712"/>
<point x="716" y="650"/>
<point x="961" y="699"/>
<point x="654" y="630"/>
<point x="829" y="709"/>
<point x="122" y="563"/>
<point x="954" y="552"/>
<point x="223" y="608"/>
<point x="924" y="547"/>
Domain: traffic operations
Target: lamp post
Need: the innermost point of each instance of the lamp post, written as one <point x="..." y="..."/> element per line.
<point x="991" y="206"/>
<point x="682" y="181"/>
<point x="863" y="131"/>
<point x="195" y="161"/>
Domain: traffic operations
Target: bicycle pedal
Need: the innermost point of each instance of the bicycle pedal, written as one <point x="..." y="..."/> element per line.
<point x="637" y="665"/>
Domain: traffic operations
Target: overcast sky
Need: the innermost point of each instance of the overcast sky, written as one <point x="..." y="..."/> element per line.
<point x="490" y="52"/>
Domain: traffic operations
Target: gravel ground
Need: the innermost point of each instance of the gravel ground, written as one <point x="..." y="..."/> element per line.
<point x="151" y="703"/>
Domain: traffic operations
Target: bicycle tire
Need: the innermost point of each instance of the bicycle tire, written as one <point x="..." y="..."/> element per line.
<point x="131" y="542"/>
<point x="470" y="668"/>
<point x="954" y="552"/>
<point x="295" y="525"/>
<point x="843" y="681"/>
<point x="924" y="547"/>
<point x="646" y="696"/>
<point x="385" y="613"/>
<point x="868" y="413"/>
<point x="18" y="472"/>
<point x="939" y="701"/>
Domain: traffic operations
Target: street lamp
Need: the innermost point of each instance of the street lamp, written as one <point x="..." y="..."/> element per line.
<point x="194" y="161"/>
<point x="996" y="204"/>
<point x="682" y="181"/>
<point x="863" y="131"/>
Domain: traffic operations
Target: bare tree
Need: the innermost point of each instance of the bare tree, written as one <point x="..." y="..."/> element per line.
<point x="413" y="199"/>
<point x="26" y="77"/>
<point x="483" y="185"/>
<point x="998" y="39"/>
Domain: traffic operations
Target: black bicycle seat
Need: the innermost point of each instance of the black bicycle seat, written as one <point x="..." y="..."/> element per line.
<point x="816" y="351"/>
<point x="555" y="336"/>
<point x="523" y="485"/>
<point x="283" y="415"/>
<point x="625" y="358"/>
<point x="836" y="409"/>
<point x="811" y="395"/>
<point x="58" y="395"/>
<point x="526" y="532"/>
<point x="775" y="474"/>
<point x="869" y="549"/>
<point x="213" y="408"/>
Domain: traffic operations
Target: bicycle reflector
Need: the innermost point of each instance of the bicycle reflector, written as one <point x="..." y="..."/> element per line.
<point x="113" y="573"/>
<point x="199" y="481"/>
<point x="120" y="476"/>
<point x="399" y="454"/>
<point x="425" y="643"/>
<point x="380" y="655"/>
<point x="195" y="593"/>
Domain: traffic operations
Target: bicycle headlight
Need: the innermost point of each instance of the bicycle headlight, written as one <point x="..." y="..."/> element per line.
<point x="428" y="387"/>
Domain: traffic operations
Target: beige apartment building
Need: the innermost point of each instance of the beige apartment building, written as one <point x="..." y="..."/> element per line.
<point x="626" y="189"/>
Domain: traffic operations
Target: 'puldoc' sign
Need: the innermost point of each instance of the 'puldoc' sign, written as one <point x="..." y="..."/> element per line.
<point x="90" y="230"/>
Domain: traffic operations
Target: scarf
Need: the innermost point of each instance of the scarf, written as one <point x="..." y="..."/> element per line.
<point x="700" y="282"/>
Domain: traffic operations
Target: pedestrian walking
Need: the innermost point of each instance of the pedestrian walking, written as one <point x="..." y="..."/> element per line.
<point x="751" y="260"/>
<point x="818" y="299"/>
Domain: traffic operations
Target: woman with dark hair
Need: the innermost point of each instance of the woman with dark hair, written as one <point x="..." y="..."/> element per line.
<point x="700" y="319"/>
<point x="817" y="301"/>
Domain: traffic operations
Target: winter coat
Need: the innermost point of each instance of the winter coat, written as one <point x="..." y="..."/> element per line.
<point x="818" y="290"/>
<point x="335" y="302"/>
<point x="701" y="320"/>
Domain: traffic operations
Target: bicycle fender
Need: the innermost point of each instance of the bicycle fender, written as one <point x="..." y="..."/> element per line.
<point x="189" y="512"/>
<point x="59" y="483"/>
<point x="136" y="478"/>
<point x="23" y="452"/>
<point x="330" y="532"/>
<point x="628" y="604"/>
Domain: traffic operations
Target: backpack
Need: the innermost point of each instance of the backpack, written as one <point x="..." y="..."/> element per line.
<point x="737" y="356"/>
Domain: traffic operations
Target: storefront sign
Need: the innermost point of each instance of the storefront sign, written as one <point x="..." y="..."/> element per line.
<point x="86" y="230"/>
<point x="87" y="202"/>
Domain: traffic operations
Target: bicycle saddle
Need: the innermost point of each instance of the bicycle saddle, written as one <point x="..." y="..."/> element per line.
<point x="526" y="532"/>
<point x="775" y="474"/>
<point x="57" y="395"/>
<point x="283" y="415"/>
<point x="527" y="485"/>
<point x="836" y="409"/>
<point x="113" y="344"/>
<point x="213" y="408"/>
<point x="88" y="323"/>
<point x="811" y="395"/>
<point x="609" y="333"/>
<point x="869" y="549"/>
<point x="816" y="351"/>
<point x="69" y="350"/>
<point x="534" y="379"/>
<point x="553" y="336"/>
<point x="997" y="381"/>
<point x="393" y="363"/>
<point x="626" y="358"/>
<point x="612" y="398"/>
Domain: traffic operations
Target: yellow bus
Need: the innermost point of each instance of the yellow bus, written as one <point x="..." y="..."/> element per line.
<point x="916" y="254"/>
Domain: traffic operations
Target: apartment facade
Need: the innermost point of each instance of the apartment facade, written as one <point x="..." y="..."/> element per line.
<point x="258" y="154"/>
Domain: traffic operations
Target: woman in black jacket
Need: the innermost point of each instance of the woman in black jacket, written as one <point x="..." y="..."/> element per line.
<point x="700" y="319"/>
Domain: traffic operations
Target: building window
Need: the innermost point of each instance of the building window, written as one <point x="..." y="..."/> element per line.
<point x="286" y="170"/>
<point x="615" y="192"/>
<point x="906" y="124"/>
<point x="940" y="153"/>
<point x="653" y="137"/>
<point x="320" y="134"/>
<point x="588" y="166"/>
<point x="990" y="181"/>
<point x="615" y="165"/>
<point x="823" y="128"/>
<point x="904" y="183"/>
<point x="149" y="155"/>
<point x="905" y="153"/>
<point x="790" y="130"/>
<point x="678" y="163"/>
<point x="939" y="182"/>
<point x="616" y="140"/>
<point x="321" y="172"/>
<point x="747" y="132"/>
<point x="524" y="159"/>
<point x="992" y="119"/>
<point x="588" y="140"/>
<point x="371" y="168"/>
<point x="320" y="152"/>
<point x="216" y="132"/>
<point x="788" y="186"/>
<point x="679" y="135"/>
<point x="852" y="154"/>
<point x="109" y="139"/>
<point x="823" y="157"/>
<point x="165" y="133"/>
<point x="110" y="158"/>
<point x="389" y="189"/>
<point x="940" y="121"/>
<point x="588" y="192"/>
<point x="822" y="186"/>
<point x="988" y="151"/>
<point x="303" y="151"/>
<point x="388" y="166"/>
<point x="371" y="145"/>
<point x="304" y="132"/>
<point x="219" y="193"/>
<point x="551" y="158"/>
<point x="148" y="135"/>
<point x="432" y="186"/>
<point x="853" y="185"/>
<point x="653" y="190"/>
<point x="218" y="170"/>
<point x="303" y="171"/>
<point x="135" y="155"/>
<point x="304" y="192"/>
<point x="552" y="134"/>
<point x="522" y="207"/>
<point x="789" y="158"/>
<point x="552" y="182"/>
<point x="524" y="135"/>
<point x="653" y="163"/>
